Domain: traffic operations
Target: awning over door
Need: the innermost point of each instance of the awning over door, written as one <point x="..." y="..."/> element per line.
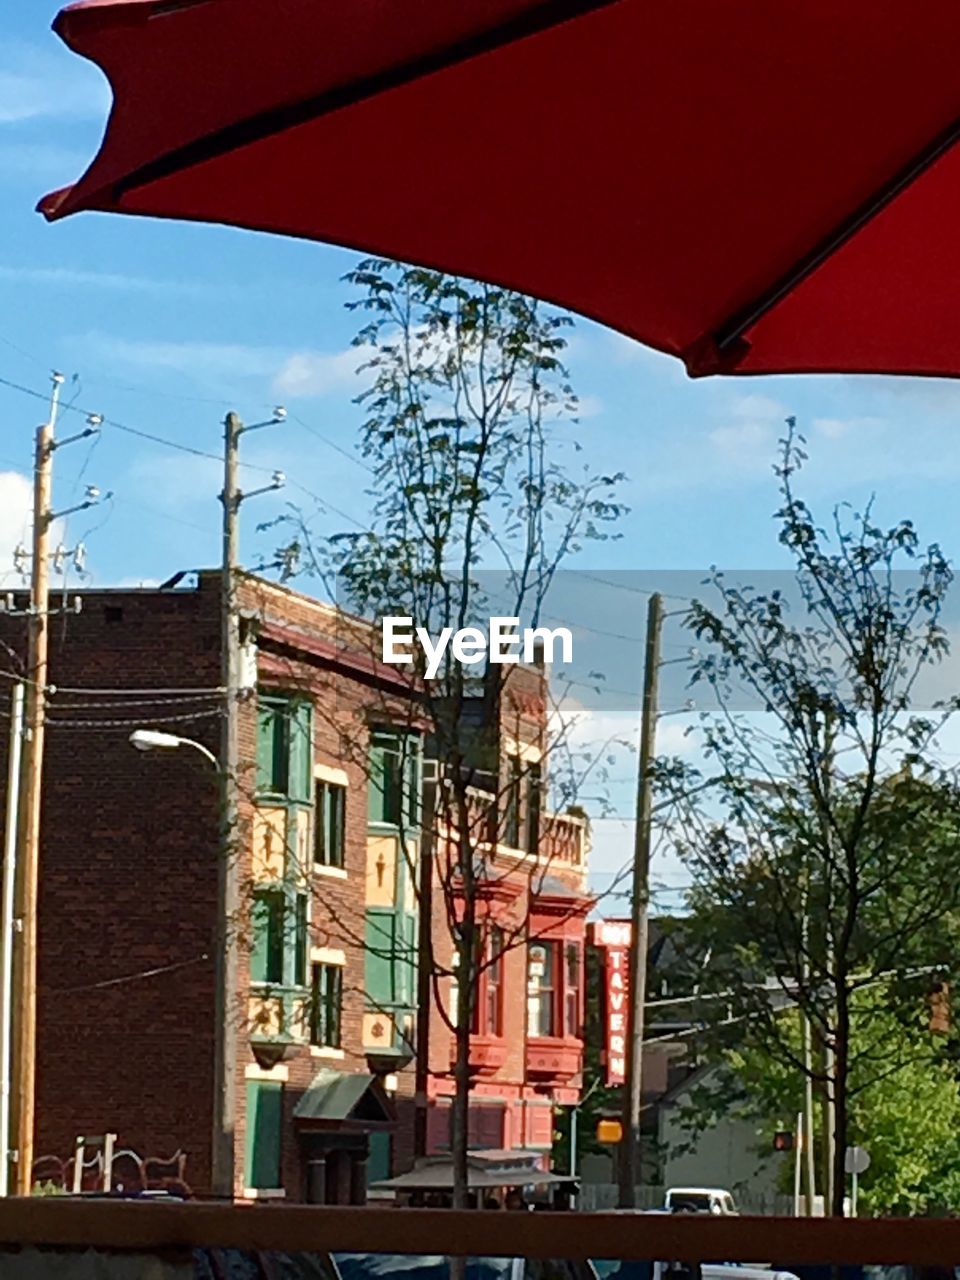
<point x="342" y="1099"/>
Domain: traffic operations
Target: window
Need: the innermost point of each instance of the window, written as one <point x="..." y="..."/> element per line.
<point x="542" y="989"/>
<point x="284" y="747"/>
<point x="393" y="790"/>
<point x="326" y="1005"/>
<point x="571" y="990"/>
<point x="329" y="843"/>
<point x="275" y="929"/>
<point x="534" y="796"/>
<point x="511" y="825"/>
<point x="494" y="985"/>
<point x="266" y="956"/>
<point x="264" y="1133"/>
<point x="273" y="749"/>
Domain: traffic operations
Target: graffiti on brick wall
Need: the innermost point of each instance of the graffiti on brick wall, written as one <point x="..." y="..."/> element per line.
<point x="129" y="1172"/>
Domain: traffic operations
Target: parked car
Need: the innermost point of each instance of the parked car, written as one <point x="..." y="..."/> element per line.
<point x="407" y="1266"/>
<point x="699" y="1200"/>
<point x="630" y="1269"/>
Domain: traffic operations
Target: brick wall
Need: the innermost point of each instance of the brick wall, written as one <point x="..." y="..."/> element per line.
<point x="127" y="882"/>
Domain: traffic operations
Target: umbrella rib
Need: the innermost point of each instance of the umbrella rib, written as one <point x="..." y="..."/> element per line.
<point x="728" y="337"/>
<point x="265" y="124"/>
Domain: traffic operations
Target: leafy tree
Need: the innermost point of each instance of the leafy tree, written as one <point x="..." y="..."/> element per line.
<point x="907" y="1117"/>
<point x="824" y="852"/>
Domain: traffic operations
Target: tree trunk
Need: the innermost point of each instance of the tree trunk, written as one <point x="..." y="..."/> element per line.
<point x="841" y="1072"/>
<point x="459" y="1136"/>
<point x="466" y="994"/>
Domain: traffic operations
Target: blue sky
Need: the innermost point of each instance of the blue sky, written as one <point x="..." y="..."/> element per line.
<point x="162" y="327"/>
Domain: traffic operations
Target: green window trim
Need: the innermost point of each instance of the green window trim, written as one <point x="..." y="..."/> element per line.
<point x="280" y="938"/>
<point x="393" y="787"/>
<point x="285" y="747"/>
<point x="381" y="958"/>
<point x="267" y="920"/>
<point x="264" y="1136"/>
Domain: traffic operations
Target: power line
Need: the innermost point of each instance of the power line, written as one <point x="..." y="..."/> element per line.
<point x="62" y="722"/>
<point x="154" y="438"/>
<point x="640" y="591"/>
<point x="332" y="444"/>
<point x="132" y="977"/>
<point x="135" y="431"/>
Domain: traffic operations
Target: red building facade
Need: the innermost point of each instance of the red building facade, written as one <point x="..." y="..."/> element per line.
<point x="526" y="1048"/>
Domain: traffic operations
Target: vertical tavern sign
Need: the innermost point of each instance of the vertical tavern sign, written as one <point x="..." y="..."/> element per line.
<point x="612" y="939"/>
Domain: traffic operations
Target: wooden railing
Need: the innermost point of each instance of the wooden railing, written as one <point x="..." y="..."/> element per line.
<point x="161" y="1227"/>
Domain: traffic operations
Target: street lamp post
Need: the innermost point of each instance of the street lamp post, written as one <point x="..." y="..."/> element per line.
<point x="157" y="740"/>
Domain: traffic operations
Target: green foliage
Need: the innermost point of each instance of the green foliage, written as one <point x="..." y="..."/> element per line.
<point x="906" y="1114"/>
<point x="823" y="838"/>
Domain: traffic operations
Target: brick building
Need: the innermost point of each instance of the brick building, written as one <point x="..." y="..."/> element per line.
<point x="328" y="848"/>
<point x="526" y="1050"/>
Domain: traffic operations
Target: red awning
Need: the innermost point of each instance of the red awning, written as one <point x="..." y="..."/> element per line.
<point x="755" y="187"/>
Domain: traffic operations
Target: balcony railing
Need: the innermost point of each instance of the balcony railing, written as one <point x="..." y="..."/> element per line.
<point x="564" y="841"/>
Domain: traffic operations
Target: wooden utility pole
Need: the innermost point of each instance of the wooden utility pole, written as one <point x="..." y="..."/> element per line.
<point x="225" y="1056"/>
<point x="227" y="946"/>
<point x="629" y="1171"/>
<point x="28" y="853"/>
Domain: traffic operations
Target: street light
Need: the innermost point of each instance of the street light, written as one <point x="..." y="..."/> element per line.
<point x="157" y="740"/>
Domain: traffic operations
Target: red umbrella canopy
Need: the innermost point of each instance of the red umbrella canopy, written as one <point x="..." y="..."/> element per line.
<point x="752" y="187"/>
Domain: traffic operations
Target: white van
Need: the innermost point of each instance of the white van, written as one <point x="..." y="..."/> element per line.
<point x="699" y="1200"/>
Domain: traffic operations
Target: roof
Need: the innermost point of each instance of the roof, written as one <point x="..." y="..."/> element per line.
<point x="550" y="886"/>
<point x="342" y="1097"/>
<point x="485" y="1169"/>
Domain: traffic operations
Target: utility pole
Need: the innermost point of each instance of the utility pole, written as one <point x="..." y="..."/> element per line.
<point x="225" y="1054"/>
<point x="629" y="1170"/>
<point x="27" y="871"/>
<point x="226" y="947"/>
<point x="6" y="929"/>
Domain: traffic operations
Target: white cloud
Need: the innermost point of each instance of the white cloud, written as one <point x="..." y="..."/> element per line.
<point x="835" y="428"/>
<point x="743" y="441"/>
<point x="220" y="359"/>
<point x="174" y="481"/>
<point x="16" y="505"/>
<point x="134" y="583"/>
<point x="36" y="161"/>
<point x="315" y="373"/>
<point x="749" y="438"/>
<point x="303" y="373"/>
<point x="71" y="277"/>
<point x="36" y="83"/>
